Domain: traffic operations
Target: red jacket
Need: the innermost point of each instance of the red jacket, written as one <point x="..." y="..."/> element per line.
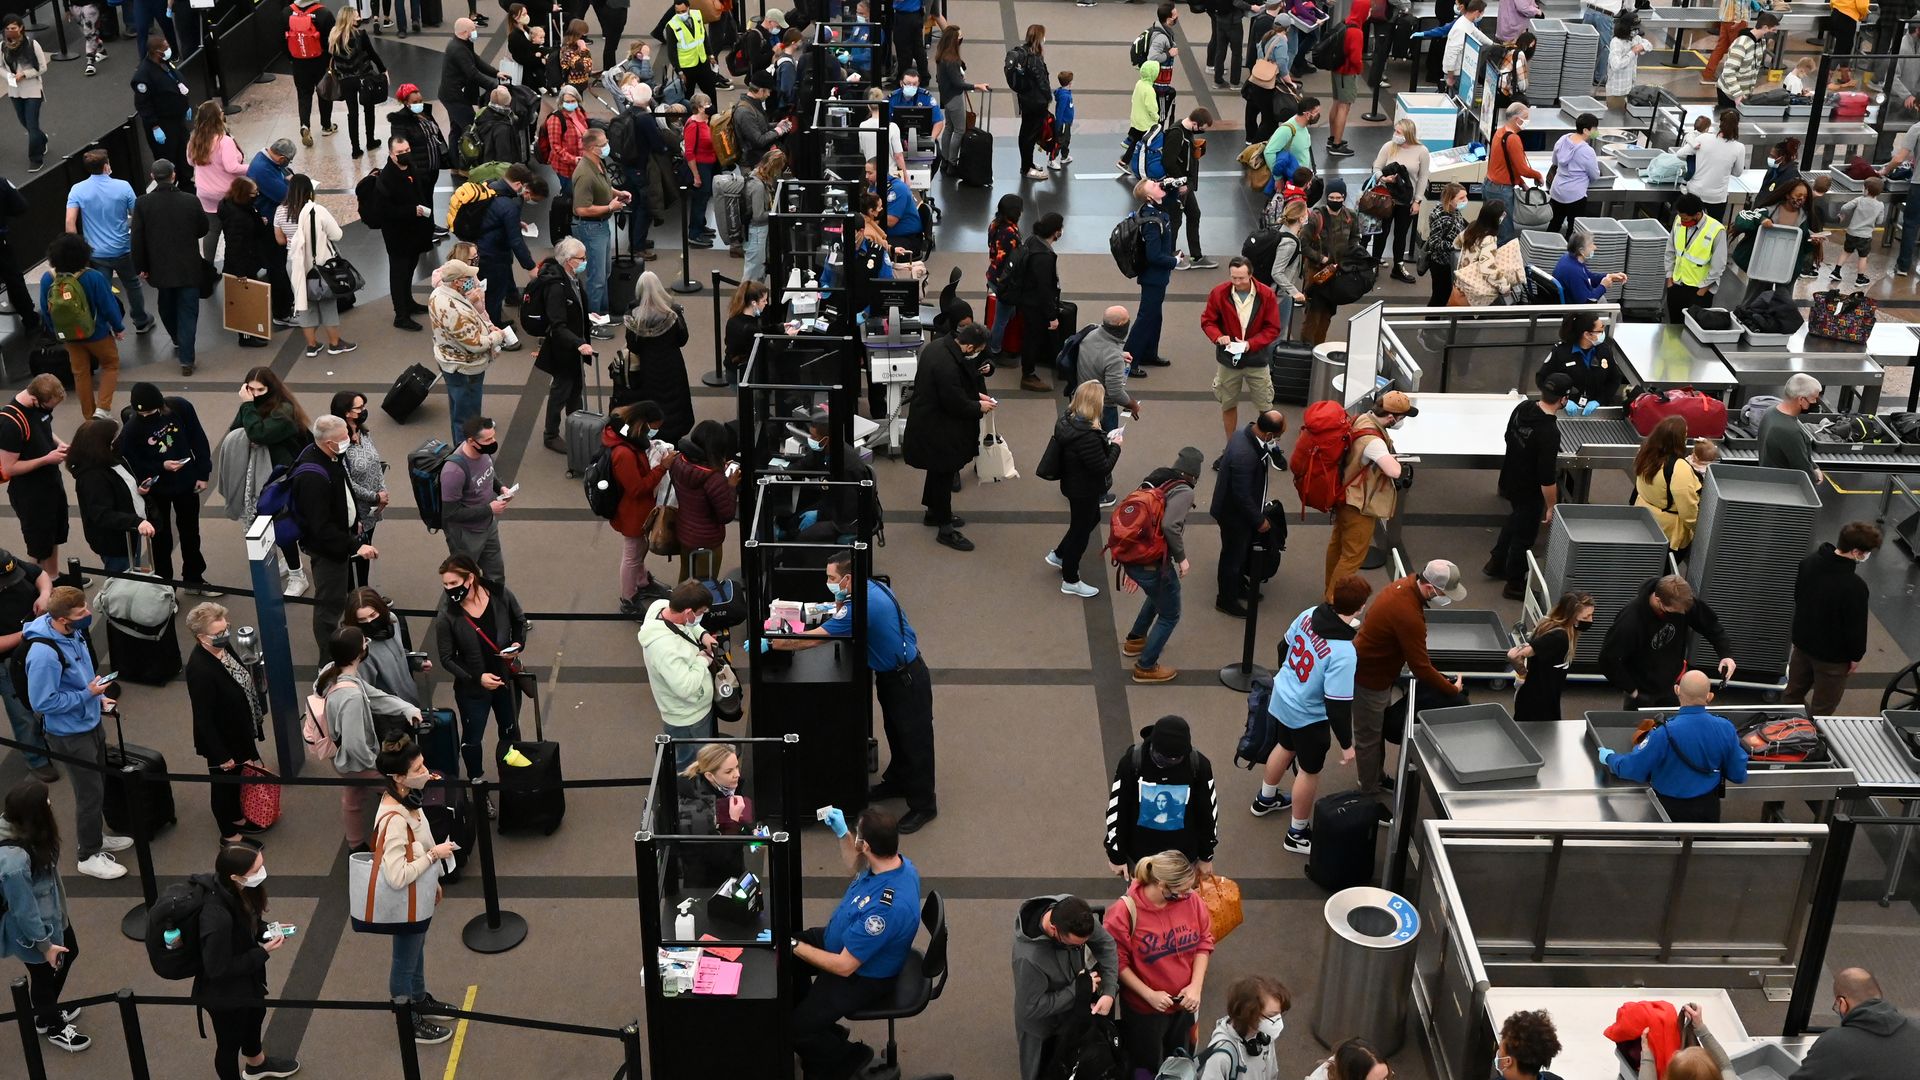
<point x="564" y="131"/>
<point x="707" y="504"/>
<point x="636" y="479"/>
<point x="697" y="142"/>
<point x="1356" y="42"/>
<point x="1221" y="317"/>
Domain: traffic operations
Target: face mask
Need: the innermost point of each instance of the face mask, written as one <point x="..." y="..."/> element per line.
<point x="839" y="591"/>
<point x="1336" y="205"/>
<point x="219" y="640"/>
<point x="652" y="431"/>
<point x="1399" y="139"/>
<point x="415" y="783"/>
<point x="605" y="150"/>
<point x="1599" y="338"/>
<point x="1865" y="555"/>
<point x="377" y="630"/>
<point x="813" y="443"/>
<point x="1584" y="624"/>
<point x="344" y="443"/>
<point x="487" y="449"/>
<point x="83" y="623"/>
<point x="420" y="108"/>
<point x="910" y="91"/>
<point x="569" y="105"/>
<point x="253" y="880"/>
<point x="456" y="593"/>
<point x="580" y="268"/>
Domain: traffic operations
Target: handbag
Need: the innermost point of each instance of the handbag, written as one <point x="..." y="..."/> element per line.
<point x="1221" y="895"/>
<point x="995" y="462"/>
<point x="1254" y="160"/>
<point x="1264" y="74"/>
<point x="729" y="701"/>
<point x="1843" y="318"/>
<point x="1531" y="208"/>
<point x="1050" y="466"/>
<point x="329" y="87"/>
<point x="661" y="536"/>
<point x="373" y="88"/>
<point x="260" y="801"/>
<point x="375" y="907"/>
<point x="331" y="280"/>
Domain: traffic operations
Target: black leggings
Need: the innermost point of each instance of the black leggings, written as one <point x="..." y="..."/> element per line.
<point x="46" y="981"/>
<point x="236" y="1034"/>
<point x="1083" y="516"/>
<point x="1402" y="234"/>
<point x="1565" y="212"/>
<point x="1442" y="284"/>
<point x="354" y="110"/>
<point x="1260" y="120"/>
<point x="1031" y="121"/>
<point x="306" y="86"/>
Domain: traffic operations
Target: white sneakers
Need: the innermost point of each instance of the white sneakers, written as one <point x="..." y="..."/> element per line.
<point x="110" y="842"/>
<point x="103" y="866"/>
<point x="1078" y="588"/>
<point x="1053" y="560"/>
<point x="296" y="583"/>
<point x="1036" y="174"/>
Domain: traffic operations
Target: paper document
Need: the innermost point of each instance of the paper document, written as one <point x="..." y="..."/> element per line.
<point x="716" y="977"/>
<point x="722" y="951"/>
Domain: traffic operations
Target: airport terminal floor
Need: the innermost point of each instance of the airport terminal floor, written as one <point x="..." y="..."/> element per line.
<point x="1033" y="700"/>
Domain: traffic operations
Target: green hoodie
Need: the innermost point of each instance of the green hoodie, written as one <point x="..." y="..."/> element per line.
<point x="1146" y="103"/>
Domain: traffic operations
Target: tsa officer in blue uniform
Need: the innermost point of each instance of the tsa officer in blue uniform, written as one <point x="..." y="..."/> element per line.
<point x="901" y="682"/>
<point x="861" y="950"/>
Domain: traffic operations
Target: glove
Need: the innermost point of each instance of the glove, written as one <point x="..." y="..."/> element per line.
<point x="159" y="136"/>
<point x="1604" y="754"/>
<point x="837" y="821"/>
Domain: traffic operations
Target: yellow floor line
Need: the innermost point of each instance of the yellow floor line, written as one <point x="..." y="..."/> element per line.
<point x="460" y="1033"/>
<point x="1851" y="491"/>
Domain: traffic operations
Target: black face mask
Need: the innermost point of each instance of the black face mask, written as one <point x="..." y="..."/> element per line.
<point x="488" y="448"/>
<point x="457" y="593"/>
<point x="1584" y="624"/>
<point x="219" y="640"/>
<point x="378" y="629"/>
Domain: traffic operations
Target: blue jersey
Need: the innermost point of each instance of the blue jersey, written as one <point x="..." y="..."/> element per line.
<point x="876" y="920"/>
<point x="1312" y="672"/>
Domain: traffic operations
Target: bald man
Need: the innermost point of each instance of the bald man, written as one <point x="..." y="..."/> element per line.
<point x="464" y="79"/>
<point x="1688" y="757"/>
<point x="1873" y="1042"/>
<point x="1104" y="359"/>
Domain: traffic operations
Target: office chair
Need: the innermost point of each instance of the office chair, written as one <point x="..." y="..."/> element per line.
<point x="921" y="979"/>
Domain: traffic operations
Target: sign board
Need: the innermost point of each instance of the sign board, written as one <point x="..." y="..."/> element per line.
<point x="248" y="306"/>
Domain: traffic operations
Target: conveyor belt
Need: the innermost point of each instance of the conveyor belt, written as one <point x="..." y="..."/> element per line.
<point x="1869" y="749"/>
<point x="1865" y="461"/>
<point x="1597" y="442"/>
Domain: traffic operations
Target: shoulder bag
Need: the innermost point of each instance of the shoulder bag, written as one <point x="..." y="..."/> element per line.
<point x="375" y="907"/>
<point x="333" y="279"/>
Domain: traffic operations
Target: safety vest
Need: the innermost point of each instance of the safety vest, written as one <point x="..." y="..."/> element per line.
<point x="1693" y="260"/>
<point x="689" y="39"/>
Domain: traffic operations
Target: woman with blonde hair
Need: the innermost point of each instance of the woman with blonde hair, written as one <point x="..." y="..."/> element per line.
<point x="710" y="804"/>
<point x="1403" y="148"/>
<point x="1163" y="937"/>
<point x="1543" y="661"/>
<point x="1081" y="458"/>
<point x="217" y="162"/>
<point x="759" y="199"/>
<point x="362" y="75"/>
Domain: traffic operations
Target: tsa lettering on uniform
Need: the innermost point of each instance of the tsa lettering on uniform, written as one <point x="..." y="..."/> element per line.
<point x="1163" y="806"/>
<point x="1157" y="945"/>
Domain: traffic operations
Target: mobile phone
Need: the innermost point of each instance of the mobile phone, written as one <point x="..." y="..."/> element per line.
<point x="107" y="678"/>
<point x="511" y="650"/>
<point x="510" y="492"/>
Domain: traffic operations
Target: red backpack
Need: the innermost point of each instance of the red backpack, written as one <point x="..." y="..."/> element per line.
<point x="1319" y="456"/>
<point x="303" y="36"/>
<point x="1133" y="534"/>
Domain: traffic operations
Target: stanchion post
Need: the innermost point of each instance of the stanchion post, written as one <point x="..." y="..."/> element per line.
<point x="66" y="51"/>
<point x="493" y="931"/>
<point x="29" y="1038"/>
<point x="1239" y="676"/>
<point x="1373" y="115"/>
<point x="686" y="284"/>
<point x="134" y="923"/>
<point x="630" y="1046"/>
<point x="718" y="376"/>
<point x="130" y="1025"/>
<point x="409" y="1049"/>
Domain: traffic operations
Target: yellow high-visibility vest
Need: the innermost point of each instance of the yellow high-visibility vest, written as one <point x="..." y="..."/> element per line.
<point x="689" y="39"/>
<point x="1693" y="259"/>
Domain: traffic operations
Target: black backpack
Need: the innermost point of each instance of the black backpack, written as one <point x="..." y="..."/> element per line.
<point x="371" y="204"/>
<point x="1259" y="251"/>
<point x="533" y="300"/>
<point x="1142" y="45"/>
<point x="1014" y="68"/>
<point x="624" y="140"/>
<point x="1129" y="243"/>
<point x="1262" y="732"/>
<point x="1331" y="52"/>
<point x="603" y="489"/>
<point x="178" y="909"/>
<point x="17" y="666"/>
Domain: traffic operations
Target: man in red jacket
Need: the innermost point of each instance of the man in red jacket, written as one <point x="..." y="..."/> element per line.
<point x="1242" y="320"/>
<point x="1393" y="635"/>
<point x="1346" y="78"/>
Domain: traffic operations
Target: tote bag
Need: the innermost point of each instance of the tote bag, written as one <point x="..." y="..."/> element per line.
<point x="375" y="907"/>
<point x="995" y="462"/>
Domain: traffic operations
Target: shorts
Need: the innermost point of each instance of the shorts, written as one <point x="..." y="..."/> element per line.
<point x="43" y="517"/>
<point x="1858" y="245"/>
<point x="318" y="313"/>
<point x="1346" y="88"/>
<point x="1255" y="381"/>
<point x="1309" y="745"/>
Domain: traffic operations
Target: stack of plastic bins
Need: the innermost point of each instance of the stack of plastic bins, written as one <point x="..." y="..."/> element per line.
<point x="1610" y="242"/>
<point x="1550" y="57"/>
<point x="1542" y="249"/>
<point x="1649" y="249"/>
<point x="1582" y="56"/>
<point x="1755" y="526"/>
<point x="1608" y="552"/>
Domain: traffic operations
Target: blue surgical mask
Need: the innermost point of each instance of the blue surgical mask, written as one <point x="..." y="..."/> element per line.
<point x="569" y="105"/>
<point x="813" y="443"/>
<point x="418" y="108"/>
<point x="839" y="591"/>
<point x="653" y="432"/>
<point x="605" y="150"/>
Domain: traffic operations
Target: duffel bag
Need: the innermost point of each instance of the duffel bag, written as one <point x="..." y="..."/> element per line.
<point x="1706" y="415"/>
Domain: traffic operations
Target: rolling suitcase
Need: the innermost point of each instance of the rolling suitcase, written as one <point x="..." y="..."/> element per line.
<point x="623" y="277"/>
<point x="449" y="813"/>
<point x="583" y="427"/>
<point x="431" y="13"/>
<point x="976" y="148"/>
<point x="408" y="392"/>
<point x="1344" y="827"/>
<point x="440" y="741"/>
<point x="149" y="662"/>
<point x="157" y="810"/>
<point x="560" y="218"/>
<point x="530" y="795"/>
<point x="1016" y="331"/>
<point x="52" y="360"/>
<point x="1292" y="371"/>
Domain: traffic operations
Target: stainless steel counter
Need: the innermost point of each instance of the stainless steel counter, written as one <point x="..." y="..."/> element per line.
<point x="1665" y="356"/>
<point x="1766" y="782"/>
<point x="1570" y="770"/>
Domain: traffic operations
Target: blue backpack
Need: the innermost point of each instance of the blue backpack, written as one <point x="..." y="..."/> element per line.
<point x="1263" y="731"/>
<point x="1066" y="362"/>
<point x="276" y="500"/>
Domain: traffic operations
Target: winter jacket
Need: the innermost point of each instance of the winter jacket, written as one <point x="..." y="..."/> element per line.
<point x="1151" y="809"/>
<point x="1156" y="229"/>
<point x="1160" y="947"/>
<point x="1035" y="89"/>
<point x="359" y="66"/>
<point x="657" y="372"/>
<point x="172" y="434"/>
<point x="1145" y="109"/>
<point x="1086" y="458"/>
<point x="463" y="342"/>
<point x="1002" y="237"/>
<point x="1646" y="652"/>
<point x="1222" y="317"/>
<point x="271" y="178"/>
<point x="564" y="131"/>
<point x="1873" y="1042"/>
<point x="222" y="711"/>
<point x="1103" y="359"/>
<point x="324" y="508"/>
<point x="233" y="965"/>
<point x="752" y="132"/>
<point x="1327" y="237"/>
<point x="1685" y="756"/>
<point x="1673" y="495"/>
<point x="1037" y="291"/>
<point x="1046" y="973"/>
<point x="278" y="431"/>
<point x="707" y="501"/>
<point x="167" y="226"/>
<point x="36" y="903"/>
<point x="943" y="425"/>
<point x="500" y="227"/>
<point x="502" y="138"/>
<point x="1532" y="458"/>
<point x="251" y="251"/>
<point x="427" y="144"/>
<point x="1829" y="607"/>
<point x="1394" y="635"/>
<point x="565" y="304"/>
<point x="464" y="77"/>
<point x="636" y="477"/>
<point x="1240" y="492"/>
<point x="463" y="656"/>
<point x="354" y="712"/>
<point x="677" y="670"/>
<point x="1173" y="517"/>
<point x="109" y="509"/>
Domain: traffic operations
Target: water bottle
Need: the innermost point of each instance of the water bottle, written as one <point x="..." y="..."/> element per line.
<point x="171" y="939"/>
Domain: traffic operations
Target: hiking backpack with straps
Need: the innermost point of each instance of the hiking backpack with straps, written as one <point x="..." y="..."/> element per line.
<point x="1134" y="536"/>
<point x="69" y="309"/>
<point x="276" y="500"/>
<point x="1320" y="455"/>
<point x="467" y="208"/>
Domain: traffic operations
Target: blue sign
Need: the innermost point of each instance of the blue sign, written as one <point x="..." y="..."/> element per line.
<point x="1408" y="919"/>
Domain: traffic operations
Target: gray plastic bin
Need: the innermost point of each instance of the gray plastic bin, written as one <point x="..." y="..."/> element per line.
<point x="1366" y="976"/>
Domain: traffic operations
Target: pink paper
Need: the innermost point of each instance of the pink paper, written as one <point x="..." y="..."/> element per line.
<point x="716" y="977"/>
<point x="724" y="952"/>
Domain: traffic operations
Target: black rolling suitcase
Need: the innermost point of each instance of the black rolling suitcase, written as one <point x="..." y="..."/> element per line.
<point x="530" y="795"/>
<point x="583" y="427"/>
<point x="1344" y="828"/>
<point x="975" y="167"/>
<point x="449" y="813"/>
<point x="408" y="391"/>
<point x="149" y="662"/>
<point x="440" y="741"/>
<point x="560" y="218"/>
<point x="143" y="642"/>
<point x="51" y="360"/>
<point x="1292" y="371"/>
<point x="432" y="13"/>
<point x="623" y="275"/>
<point x="157" y="810"/>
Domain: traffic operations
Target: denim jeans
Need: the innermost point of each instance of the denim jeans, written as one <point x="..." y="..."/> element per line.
<point x="132" y="295"/>
<point x="1502" y="193"/>
<point x="463" y="398"/>
<point x="28" y="110"/>
<point x="115" y="564"/>
<point x="1286" y="312"/>
<point x="756" y="247"/>
<point x="697" y="213"/>
<point x="684" y="753"/>
<point x="474" y="703"/>
<point x="25" y="728"/>
<point x="1159" y="611"/>
<point x="1602" y="24"/>
<point x="598" y="237"/>
<point x="180" y="314"/>
<point x="407" y="977"/>
<point x="1003" y="311"/>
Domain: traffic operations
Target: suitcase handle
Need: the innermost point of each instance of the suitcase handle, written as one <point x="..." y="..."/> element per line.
<point x="528" y="684"/>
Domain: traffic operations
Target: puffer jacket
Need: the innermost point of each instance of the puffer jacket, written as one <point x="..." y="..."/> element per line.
<point x="1086" y="457"/>
<point x="707" y="502"/>
<point x="637" y="479"/>
<point x="1036" y="85"/>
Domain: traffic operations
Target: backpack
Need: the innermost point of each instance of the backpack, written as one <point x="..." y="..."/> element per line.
<point x="1781" y="738"/>
<point x="738" y="59"/>
<point x="1142" y="45"/>
<point x="315" y="731"/>
<point x="1262" y="733"/>
<point x="303" y="36"/>
<point x="1319" y="456"/>
<point x="69" y="309"/>
<point x="472" y="150"/>
<point x="1259" y="251"/>
<point x="543" y="144"/>
<point x="1129" y="243"/>
<point x="423" y="469"/>
<point x="1014" y="67"/>
<point x="177" y="912"/>
<point x="467" y="209"/>
<point x="730" y="207"/>
<point x="623" y="139"/>
<point x="371" y="204"/>
<point x="533" y="300"/>
<point x="17" y="666"/>
<point x="603" y="490"/>
<point x="726" y="149"/>
<point x="276" y="500"/>
<point x="1133" y="533"/>
<point x="1067" y="360"/>
<point x="1184" y="1065"/>
<point x="1668" y="168"/>
<point x="1331" y="52"/>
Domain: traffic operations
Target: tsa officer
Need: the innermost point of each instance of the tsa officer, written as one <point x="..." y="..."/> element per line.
<point x="861" y="950"/>
<point x="1687" y="757"/>
<point x="900" y="680"/>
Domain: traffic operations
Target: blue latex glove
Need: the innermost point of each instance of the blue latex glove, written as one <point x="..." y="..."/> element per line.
<point x="764" y="935"/>
<point x="1605" y="755"/>
<point x="1587" y="409"/>
<point x="837" y="821"/>
<point x="159" y="136"/>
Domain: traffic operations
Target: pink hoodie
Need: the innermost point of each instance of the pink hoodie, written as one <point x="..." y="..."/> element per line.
<point x="1162" y="946"/>
<point x="211" y="181"/>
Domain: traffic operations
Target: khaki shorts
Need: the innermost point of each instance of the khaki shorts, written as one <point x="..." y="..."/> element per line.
<point x="1346" y="88"/>
<point x="1229" y="384"/>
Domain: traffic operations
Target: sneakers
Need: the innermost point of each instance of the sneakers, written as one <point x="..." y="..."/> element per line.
<point x="1340" y="149"/>
<point x="306" y="136"/>
<point x="341" y="347"/>
<point x="1298" y="841"/>
<point x="1053" y="560"/>
<point x="1036" y="174"/>
<point x="1201" y="262"/>
<point x="1079" y="588"/>
<point x="102" y="414"/>
<point x="314" y="350"/>
<point x="1158" y="673"/>
<point x="146" y="327"/>
<point x="69" y="1038"/>
<point x="1108" y="500"/>
<point x="427" y="1034"/>
<point x="201" y="588"/>
<point x="296" y="583"/>
<point x="103" y="866"/>
<point x="1181" y="262"/>
<point x="1862" y="280"/>
<point x="110" y="842"/>
<point x="1262" y="806"/>
<point x="67" y="1017"/>
<point x="1835" y="275"/>
<point x="270" y="1066"/>
<point x="330" y="129"/>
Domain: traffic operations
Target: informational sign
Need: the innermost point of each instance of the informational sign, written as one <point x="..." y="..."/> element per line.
<point x="1363" y="352"/>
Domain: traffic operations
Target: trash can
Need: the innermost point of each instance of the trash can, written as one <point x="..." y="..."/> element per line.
<point x="1329" y="372"/>
<point x="1366" y="976"/>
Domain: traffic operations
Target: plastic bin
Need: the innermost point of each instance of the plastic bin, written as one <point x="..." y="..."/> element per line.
<point x="1776" y="250"/>
<point x="1366" y="975"/>
<point x="1755" y="337"/>
<point x="1714" y="337"/>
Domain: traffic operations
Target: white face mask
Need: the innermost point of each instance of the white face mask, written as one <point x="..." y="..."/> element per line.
<point x="1865" y="555"/>
<point x="345" y="443"/>
<point x="253" y="880"/>
<point x="1399" y="139"/>
<point x="1272" y="1026"/>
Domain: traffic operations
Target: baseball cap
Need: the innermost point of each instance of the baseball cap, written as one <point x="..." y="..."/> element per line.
<point x="777" y="17"/>
<point x="1555" y="387"/>
<point x="11" y="572"/>
<point x="1397" y="404"/>
<point x="1445" y="576"/>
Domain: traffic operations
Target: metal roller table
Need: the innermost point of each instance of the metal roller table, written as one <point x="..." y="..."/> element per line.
<point x="1835" y="363"/>
<point x="1667" y="357"/>
<point x="1867" y="745"/>
<point x="1461" y="431"/>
